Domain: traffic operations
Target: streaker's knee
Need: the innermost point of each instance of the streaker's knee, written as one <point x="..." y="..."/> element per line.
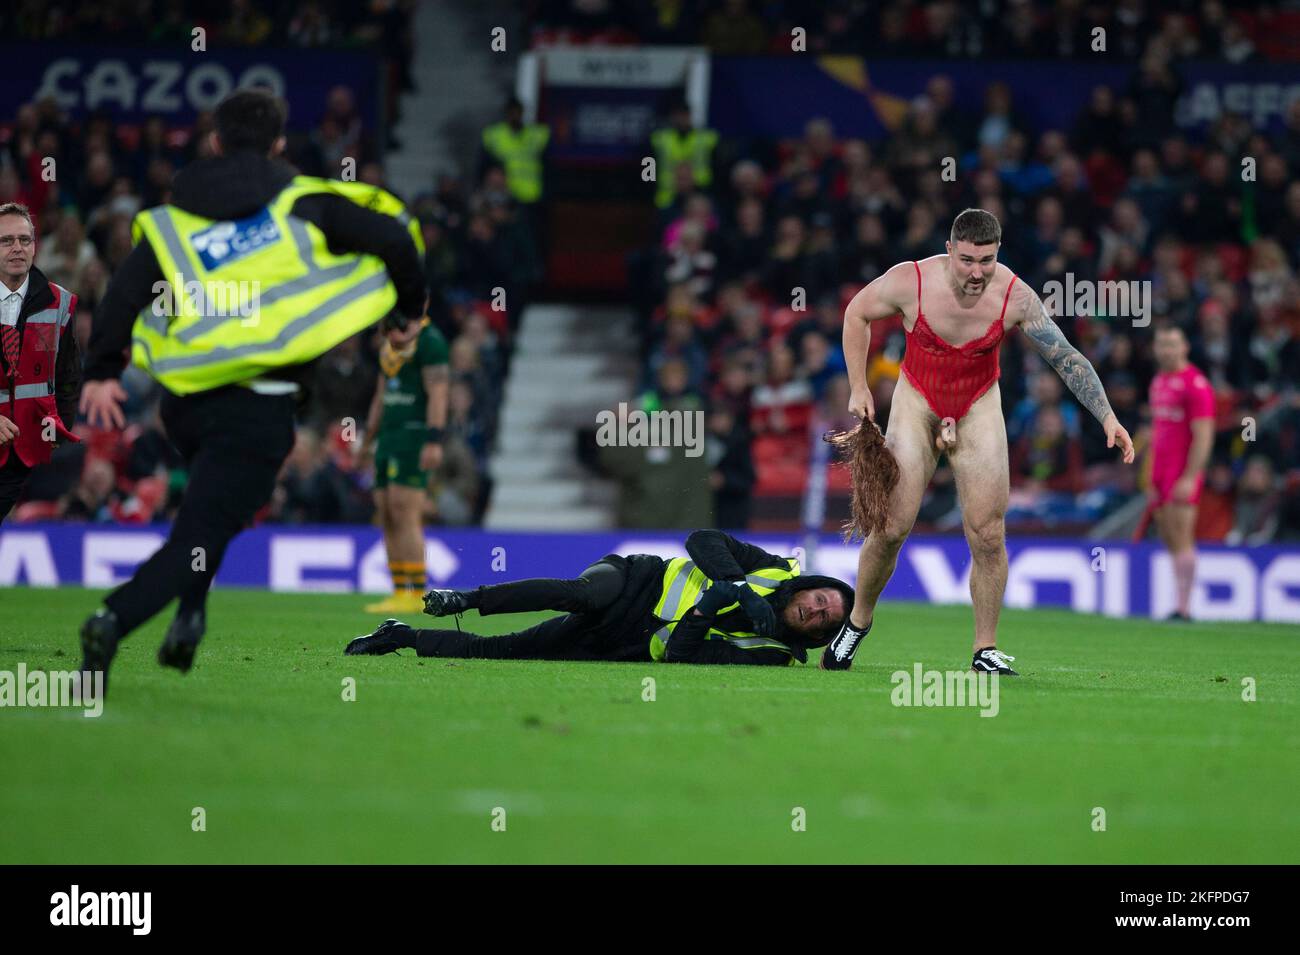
<point x="987" y="538"/>
<point x="891" y="537"/>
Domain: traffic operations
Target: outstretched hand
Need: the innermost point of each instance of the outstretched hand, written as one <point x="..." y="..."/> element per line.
<point x="1116" y="434"/>
<point x="101" y="403"/>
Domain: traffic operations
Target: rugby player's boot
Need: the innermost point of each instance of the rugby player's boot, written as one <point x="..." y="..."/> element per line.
<point x="403" y="601"/>
<point x="182" y="640"/>
<point x="389" y="637"/>
<point x="838" y="654"/>
<point x="992" y="660"/>
<point x="100" y="635"/>
<point x="445" y="603"/>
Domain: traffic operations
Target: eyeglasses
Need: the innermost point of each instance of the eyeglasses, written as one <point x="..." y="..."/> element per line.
<point x="7" y="241"/>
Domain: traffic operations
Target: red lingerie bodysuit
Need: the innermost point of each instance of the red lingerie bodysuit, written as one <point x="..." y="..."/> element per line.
<point x="952" y="377"/>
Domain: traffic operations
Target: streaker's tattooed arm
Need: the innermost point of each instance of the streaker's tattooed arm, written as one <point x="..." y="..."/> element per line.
<point x="1046" y="338"/>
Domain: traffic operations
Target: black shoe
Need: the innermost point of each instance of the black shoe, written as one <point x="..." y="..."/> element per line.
<point x="387" y="638"/>
<point x="838" y="654"/>
<point x="99" y="638"/>
<point x="992" y="660"/>
<point x="1177" y="617"/>
<point x="183" y="636"/>
<point x="444" y="603"/>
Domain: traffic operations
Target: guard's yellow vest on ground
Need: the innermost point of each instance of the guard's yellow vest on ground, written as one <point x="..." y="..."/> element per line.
<point x="520" y="151"/>
<point x="684" y="584"/>
<point x="671" y="150"/>
<point x="248" y="296"/>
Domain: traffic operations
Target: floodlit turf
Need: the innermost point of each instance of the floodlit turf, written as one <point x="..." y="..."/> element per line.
<point x="1143" y="720"/>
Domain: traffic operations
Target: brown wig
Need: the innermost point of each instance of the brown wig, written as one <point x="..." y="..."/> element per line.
<point x="873" y="470"/>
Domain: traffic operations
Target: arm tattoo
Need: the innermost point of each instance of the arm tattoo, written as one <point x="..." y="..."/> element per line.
<point x="1046" y="338"/>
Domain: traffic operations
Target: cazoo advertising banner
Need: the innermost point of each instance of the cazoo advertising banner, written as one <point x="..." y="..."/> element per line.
<point x="1114" y="578"/>
<point x="134" y="83"/>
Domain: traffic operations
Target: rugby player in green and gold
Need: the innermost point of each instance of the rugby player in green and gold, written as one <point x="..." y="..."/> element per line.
<point x="404" y="432"/>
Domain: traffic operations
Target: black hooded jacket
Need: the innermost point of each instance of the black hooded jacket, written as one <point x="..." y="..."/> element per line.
<point x="630" y="620"/>
<point x="232" y="187"/>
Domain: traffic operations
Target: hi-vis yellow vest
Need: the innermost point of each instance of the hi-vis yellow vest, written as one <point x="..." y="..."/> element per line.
<point x="684" y="584"/>
<point x="258" y="293"/>
<point x="671" y="150"/>
<point x="520" y="152"/>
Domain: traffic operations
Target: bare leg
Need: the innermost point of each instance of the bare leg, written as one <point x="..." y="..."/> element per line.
<point x="406" y="514"/>
<point x="910" y="438"/>
<point x="980" y="468"/>
<point x="1180" y="524"/>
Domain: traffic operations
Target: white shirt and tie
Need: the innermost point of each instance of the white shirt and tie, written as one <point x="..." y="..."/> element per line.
<point x="11" y="304"/>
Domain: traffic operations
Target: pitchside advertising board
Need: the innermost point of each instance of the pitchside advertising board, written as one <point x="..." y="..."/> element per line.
<point x="1113" y="578"/>
<point x="867" y="98"/>
<point x="135" y="83"/>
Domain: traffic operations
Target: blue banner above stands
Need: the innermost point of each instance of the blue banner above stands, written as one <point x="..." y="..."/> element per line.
<point x="1114" y="578"/>
<point x="774" y="97"/>
<point x="134" y="83"/>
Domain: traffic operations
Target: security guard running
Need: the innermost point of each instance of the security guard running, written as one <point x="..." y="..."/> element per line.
<point x="264" y="271"/>
<point x="729" y="602"/>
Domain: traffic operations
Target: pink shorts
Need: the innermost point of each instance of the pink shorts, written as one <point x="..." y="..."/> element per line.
<point x="1163" y="485"/>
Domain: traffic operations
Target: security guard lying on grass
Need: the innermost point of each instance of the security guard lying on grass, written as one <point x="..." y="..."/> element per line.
<point x="729" y="602"/>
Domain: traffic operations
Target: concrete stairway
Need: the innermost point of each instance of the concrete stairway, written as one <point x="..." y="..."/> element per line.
<point x="571" y="362"/>
<point x="461" y="85"/>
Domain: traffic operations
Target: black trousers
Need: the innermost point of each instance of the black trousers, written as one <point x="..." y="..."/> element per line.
<point x="13" y="475"/>
<point x="579" y="635"/>
<point x="233" y="441"/>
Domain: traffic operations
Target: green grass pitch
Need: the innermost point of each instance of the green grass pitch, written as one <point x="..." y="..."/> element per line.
<point x="1144" y="720"/>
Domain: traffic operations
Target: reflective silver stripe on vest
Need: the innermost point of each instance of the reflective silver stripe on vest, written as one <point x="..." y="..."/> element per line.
<point x="315" y="278"/>
<point x="49" y="316"/>
<point x="753" y="643"/>
<point x="290" y="331"/>
<point x="176" y="249"/>
<point x="65" y="312"/>
<point x="673" y="597"/>
<point x="301" y="239"/>
<point x="38" y="390"/>
<point x="4" y="397"/>
<point x="157" y="323"/>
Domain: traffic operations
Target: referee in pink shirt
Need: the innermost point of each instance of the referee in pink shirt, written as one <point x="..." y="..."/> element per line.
<point x="1182" y="436"/>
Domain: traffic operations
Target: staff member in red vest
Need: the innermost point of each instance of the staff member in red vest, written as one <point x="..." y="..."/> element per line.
<point x="40" y="370"/>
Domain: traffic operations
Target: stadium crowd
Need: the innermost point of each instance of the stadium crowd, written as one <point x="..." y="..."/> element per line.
<point x="1235" y="31"/>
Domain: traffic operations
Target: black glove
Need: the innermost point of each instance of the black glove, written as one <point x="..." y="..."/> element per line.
<point x="721" y="594"/>
<point x="759" y="611"/>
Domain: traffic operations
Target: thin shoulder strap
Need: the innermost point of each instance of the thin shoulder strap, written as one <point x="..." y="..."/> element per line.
<point x="917" y="266"/>
<point x="1007" y="297"/>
